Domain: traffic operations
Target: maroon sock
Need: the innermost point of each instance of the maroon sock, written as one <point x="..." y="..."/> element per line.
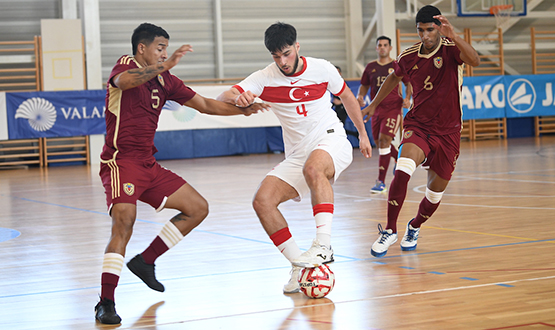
<point x="383" y="166"/>
<point x="394" y="152"/>
<point x="397" y="194"/>
<point x="108" y="282"/>
<point x="154" y="250"/>
<point x="425" y="211"/>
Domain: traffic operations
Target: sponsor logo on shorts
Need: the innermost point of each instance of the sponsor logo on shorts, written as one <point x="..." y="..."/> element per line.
<point x="407" y="134"/>
<point x="129" y="188"/>
<point x="438" y="62"/>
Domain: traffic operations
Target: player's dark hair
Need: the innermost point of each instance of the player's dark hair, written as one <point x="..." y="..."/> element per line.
<point x="145" y="34"/>
<point x="383" y="38"/>
<point x="426" y="15"/>
<point x="279" y="36"/>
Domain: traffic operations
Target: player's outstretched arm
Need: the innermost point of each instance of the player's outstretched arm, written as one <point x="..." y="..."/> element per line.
<point x="214" y="107"/>
<point x="353" y="110"/>
<point x="235" y="97"/>
<point x="136" y="77"/>
<point x="469" y="55"/>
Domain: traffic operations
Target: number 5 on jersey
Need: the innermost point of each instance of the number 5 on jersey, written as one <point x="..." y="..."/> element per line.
<point x="301" y="110"/>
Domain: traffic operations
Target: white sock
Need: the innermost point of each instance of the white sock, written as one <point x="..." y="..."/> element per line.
<point x="112" y="263"/>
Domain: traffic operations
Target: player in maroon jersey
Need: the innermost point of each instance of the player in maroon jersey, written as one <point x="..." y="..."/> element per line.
<point x="138" y="87"/>
<point x="432" y="129"/>
<point x="388" y="116"/>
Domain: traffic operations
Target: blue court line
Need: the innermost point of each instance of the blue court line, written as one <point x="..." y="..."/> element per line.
<point x="468" y="278"/>
<point x="406" y="267"/>
<point x="505" y="285"/>
<point x="437" y="273"/>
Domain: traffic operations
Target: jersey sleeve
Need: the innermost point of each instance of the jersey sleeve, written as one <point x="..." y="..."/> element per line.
<point x="398" y="66"/>
<point x="121" y="66"/>
<point x="179" y="92"/>
<point x="255" y="82"/>
<point x="336" y="84"/>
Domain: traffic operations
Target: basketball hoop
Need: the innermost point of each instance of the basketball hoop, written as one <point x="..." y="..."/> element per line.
<point x="502" y="13"/>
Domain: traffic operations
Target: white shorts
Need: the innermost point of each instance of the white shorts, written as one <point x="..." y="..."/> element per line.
<point x="290" y="169"/>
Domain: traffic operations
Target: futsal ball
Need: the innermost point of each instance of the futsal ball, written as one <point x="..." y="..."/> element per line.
<point x="317" y="282"/>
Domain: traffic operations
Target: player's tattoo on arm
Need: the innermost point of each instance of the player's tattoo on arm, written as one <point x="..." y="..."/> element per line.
<point x="141" y="75"/>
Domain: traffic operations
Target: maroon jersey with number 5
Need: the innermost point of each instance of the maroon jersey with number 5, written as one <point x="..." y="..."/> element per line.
<point x="132" y="115"/>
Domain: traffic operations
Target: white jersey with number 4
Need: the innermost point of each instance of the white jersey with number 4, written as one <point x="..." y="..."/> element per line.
<point x="301" y="101"/>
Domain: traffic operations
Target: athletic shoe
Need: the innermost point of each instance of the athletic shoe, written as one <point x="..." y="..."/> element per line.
<point x="379" y="188"/>
<point x="293" y="285"/>
<point x="386" y="239"/>
<point x="106" y="312"/>
<point x="408" y="243"/>
<point x="315" y="256"/>
<point x="145" y="272"/>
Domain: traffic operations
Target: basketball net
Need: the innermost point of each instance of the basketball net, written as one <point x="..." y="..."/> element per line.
<point x="502" y="13"/>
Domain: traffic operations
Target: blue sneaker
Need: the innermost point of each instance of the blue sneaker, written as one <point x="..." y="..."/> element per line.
<point x="386" y="239"/>
<point x="379" y="188"/>
<point x="408" y="243"/>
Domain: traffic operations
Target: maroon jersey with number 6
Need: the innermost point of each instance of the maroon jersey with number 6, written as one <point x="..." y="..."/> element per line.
<point x="437" y="82"/>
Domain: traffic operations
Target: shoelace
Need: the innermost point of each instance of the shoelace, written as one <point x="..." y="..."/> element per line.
<point x="410" y="234"/>
<point x="385" y="234"/>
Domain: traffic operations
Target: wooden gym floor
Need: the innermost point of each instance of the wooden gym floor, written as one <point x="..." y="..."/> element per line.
<point x="485" y="260"/>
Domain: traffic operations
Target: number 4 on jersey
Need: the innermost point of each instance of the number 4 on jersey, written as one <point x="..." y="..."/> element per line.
<point x="301" y="110"/>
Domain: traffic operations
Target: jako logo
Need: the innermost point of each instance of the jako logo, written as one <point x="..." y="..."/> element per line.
<point x="181" y="113"/>
<point x="521" y="96"/>
<point x="40" y="113"/>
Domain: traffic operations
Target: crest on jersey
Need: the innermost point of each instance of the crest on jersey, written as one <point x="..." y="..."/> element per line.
<point x="390" y="70"/>
<point x="129" y="188"/>
<point x="438" y="62"/>
<point x="161" y="80"/>
<point x="407" y="134"/>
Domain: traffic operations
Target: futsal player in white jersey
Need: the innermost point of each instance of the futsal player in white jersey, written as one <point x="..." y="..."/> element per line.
<point x="316" y="145"/>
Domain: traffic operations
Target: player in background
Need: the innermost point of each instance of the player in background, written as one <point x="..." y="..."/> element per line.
<point x="432" y="129"/>
<point x="138" y="87"/>
<point x="316" y="146"/>
<point x="388" y="117"/>
<point x="339" y="109"/>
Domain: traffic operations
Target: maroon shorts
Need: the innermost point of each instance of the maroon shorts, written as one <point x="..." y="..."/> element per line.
<point x="129" y="180"/>
<point x="441" y="151"/>
<point x="385" y="123"/>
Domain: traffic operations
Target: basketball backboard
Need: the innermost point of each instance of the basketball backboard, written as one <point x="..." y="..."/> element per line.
<point x="484" y="7"/>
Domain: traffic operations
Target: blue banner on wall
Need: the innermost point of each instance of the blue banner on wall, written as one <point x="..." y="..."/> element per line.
<point x="55" y="114"/>
<point x="483" y="97"/>
<point x="530" y="95"/>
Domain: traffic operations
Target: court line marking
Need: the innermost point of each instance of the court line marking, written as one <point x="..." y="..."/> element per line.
<point x="398" y="295"/>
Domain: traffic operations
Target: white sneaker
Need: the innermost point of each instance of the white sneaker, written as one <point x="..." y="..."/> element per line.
<point x="293" y="285"/>
<point x="315" y="256"/>
<point x="386" y="239"/>
<point x="408" y="243"/>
